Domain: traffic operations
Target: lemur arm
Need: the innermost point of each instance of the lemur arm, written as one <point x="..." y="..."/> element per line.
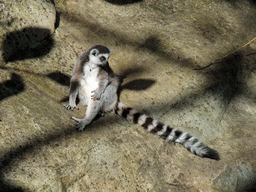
<point x="96" y="94"/>
<point x="74" y="88"/>
<point x="103" y="78"/>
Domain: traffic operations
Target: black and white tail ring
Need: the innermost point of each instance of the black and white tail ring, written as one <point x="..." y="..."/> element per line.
<point x="191" y="143"/>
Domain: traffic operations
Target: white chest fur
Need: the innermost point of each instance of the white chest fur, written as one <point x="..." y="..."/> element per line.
<point x="91" y="81"/>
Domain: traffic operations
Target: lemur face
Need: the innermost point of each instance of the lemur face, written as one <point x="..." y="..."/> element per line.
<point x="98" y="58"/>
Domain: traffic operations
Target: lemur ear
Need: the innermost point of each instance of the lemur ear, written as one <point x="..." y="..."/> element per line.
<point x="110" y="49"/>
<point x="94" y="52"/>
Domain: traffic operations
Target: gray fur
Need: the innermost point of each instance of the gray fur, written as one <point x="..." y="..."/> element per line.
<point x="92" y="77"/>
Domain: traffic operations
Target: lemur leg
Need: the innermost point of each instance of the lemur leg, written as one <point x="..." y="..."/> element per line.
<point x="91" y="112"/>
<point x="110" y="99"/>
<point x="74" y="88"/>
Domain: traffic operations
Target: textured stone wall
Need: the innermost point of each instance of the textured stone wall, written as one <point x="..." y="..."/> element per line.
<point x="157" y="47"/>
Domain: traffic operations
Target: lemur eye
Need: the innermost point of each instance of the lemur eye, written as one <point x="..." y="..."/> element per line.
<point x="102" y="58"/>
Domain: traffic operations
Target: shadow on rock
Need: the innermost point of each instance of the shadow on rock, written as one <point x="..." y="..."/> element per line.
<point x="238" y="177"/>
<point x="233" y="2"/>
<point x="152" y="44"/>
<point x="27" y="43"/>
<point x="7" y="160"/>
<point x="224" y="82"/>
<point x="228" y="77"/>
<point x="60" y="78"/>
<point x="139" y="84"/>
<point x="123" y="2"/>
<point x="9" y="187"/>
<point x="155" y="46"/>
<point x="11" y="87"/>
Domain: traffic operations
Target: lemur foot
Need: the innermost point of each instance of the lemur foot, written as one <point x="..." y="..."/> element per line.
<point x="96" y="94"/>
<point x="70" y="107"/>
<point x="81" y="123"/>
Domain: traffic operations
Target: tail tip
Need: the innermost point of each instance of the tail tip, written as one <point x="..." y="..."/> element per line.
<point x="212" y="154"/>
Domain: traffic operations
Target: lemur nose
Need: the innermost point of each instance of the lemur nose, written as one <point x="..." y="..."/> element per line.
<point x="102" y="58"/>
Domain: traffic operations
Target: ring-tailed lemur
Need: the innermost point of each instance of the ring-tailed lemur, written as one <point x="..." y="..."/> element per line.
<point x="97" y="86"/>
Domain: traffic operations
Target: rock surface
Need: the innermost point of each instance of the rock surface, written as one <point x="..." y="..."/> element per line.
<point x="157" y="45"/>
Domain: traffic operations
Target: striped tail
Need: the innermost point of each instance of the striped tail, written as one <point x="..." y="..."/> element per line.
<point x="167" y="133"/>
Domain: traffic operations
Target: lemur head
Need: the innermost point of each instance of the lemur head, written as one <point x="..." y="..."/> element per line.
<point x="99" y="54"/>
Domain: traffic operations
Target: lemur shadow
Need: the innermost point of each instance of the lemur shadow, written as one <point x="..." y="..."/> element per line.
<point x="11" y="87"/>
<point x="60" y="78"/>
<point x="30" y="42"/>
<point x="138" y="84"/>
<point x="123" y="2"/>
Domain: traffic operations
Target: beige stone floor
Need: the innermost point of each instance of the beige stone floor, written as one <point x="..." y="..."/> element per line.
<point x="157" y="45"/>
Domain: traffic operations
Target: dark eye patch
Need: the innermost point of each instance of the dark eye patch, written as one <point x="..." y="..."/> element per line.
<point x="102" y="58"/>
